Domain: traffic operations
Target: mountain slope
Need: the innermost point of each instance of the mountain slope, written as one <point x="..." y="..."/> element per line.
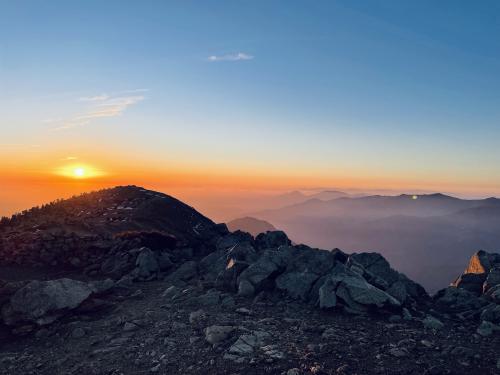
<point x="85" y="227"/>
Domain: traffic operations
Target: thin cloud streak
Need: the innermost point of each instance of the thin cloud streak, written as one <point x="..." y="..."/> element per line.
<point x="97" y="98"/>
<point x="240" y="56"/>
<point x="103" y="106"/>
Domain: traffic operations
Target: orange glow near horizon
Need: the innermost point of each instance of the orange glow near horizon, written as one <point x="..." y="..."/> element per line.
<point x="30" y="179"/>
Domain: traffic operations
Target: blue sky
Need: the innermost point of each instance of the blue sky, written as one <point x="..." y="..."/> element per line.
<point x="338" y="89"/>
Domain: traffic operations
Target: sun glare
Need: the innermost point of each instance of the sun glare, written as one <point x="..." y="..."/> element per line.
<point x="78" y="171"/>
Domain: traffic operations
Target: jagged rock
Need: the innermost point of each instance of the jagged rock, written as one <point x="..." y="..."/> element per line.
<point x="303" y="271"/>
<point x="472" y="282"/>
<point x="354" y="291"/>
<point x="42" y="302"/>
<point x="232" y="239"/>
<point x="478" y="271"/>
<point x="493" y="294"/>
<point x="272" y="239"/>
<point x="213" y="264"/>
<point x="228" y="278"/>
<point x="492" y="280"/>
<point x="378" y="272"/>
<point x="455" y="300"/>
<point x="327" y="296"/>
<point x="246" y="343"/>
<point x="270" y="264"/>
<point x="215" y="334"/>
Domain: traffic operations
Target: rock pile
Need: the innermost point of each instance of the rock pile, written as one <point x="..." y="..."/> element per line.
<point x="476" y="293"/>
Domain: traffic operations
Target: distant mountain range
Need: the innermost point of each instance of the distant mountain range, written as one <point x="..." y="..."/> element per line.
<point x="429" y="237"/>
<point x="250" y="225"/>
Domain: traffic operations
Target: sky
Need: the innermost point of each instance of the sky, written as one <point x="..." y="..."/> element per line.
<point x="248" y="95"/>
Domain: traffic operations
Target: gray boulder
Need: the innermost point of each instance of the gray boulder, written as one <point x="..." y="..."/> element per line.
<point x="261" y="273"/>
<point x="378" y="272"/>
<point x="303" y="271"/>
<point x="147" y="266"/>
<point x="492" y="280"/>
<point x="42" y="302"/>
<point x="457" y="300"/>
<point x="272" y="239"/>
<point x="353" y="290"/>
<point x="215" y="334"/>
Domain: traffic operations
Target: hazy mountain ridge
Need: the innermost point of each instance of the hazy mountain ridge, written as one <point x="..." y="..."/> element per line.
<point x="419" y="236"/>
<point x="250" y="225"/>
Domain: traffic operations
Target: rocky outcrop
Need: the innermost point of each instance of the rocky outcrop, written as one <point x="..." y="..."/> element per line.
<point x="481" y="274"/>
<point x="359" y="283"/>
<point x="475" y="294"/>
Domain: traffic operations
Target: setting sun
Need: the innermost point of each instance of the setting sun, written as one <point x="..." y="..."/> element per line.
<point x="79" y="171"/>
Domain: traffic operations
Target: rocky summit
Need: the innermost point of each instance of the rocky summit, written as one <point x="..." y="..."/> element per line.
<point x="130" y="281"/>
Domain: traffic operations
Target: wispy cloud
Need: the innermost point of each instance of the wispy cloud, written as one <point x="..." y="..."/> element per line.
<point x="96" y="98"/>
<point x="69" y="158"/>
<point x="240" y="56"/>
<point x="102" y="106"/>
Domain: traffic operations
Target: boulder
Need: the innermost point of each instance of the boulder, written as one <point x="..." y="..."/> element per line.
<point x="228" y="278"/>
<point x="147" y="265"/>
<point x="353" y="290"/>
<point x="457" y="300"/>
<point x="303" y="271"/>
<point x="213" y="264"/>
<point x="215" y="334"/>
<point x="272" y="239"/>
<point x="472" y="282"/>
<point x="42" y="302"/>
<point x="492" y="280"/>
<point x="231" y="239"/>
<point x="327" y="296"/>
<point x="356" y="291"/>
<point x="378" y="272"/>
<point x="271" y="263"/>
